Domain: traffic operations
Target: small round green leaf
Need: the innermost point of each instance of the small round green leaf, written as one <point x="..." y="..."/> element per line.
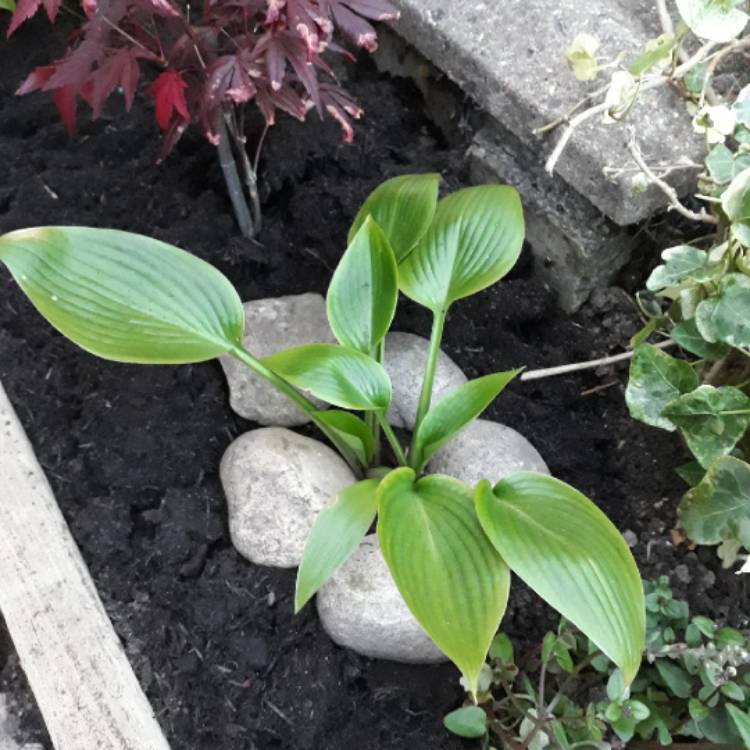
<point x="716" y="20"/>
<point x="469" y="721"/>
<point x="474" y="240"/>
<point x="403" y="207"/>
<point x="337" y="374"/>
<point x="125" y="297"/>
<point x="362" y="297"/>
<point x="335" y="535"/>
<point x="450" y="576"/>
<point x="455" y="410"/>
<point x="562" y="546"/>
<point x="680" y="263"/>
<point x="656" y="379"/>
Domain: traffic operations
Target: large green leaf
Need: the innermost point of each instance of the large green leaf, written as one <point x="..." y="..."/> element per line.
<point x="567" y="550"/>
<point x="716" y="20"/>
<point x="123" y="296"/>
<point x="337" y="374"/>
<point x="725" y="317"/>
<point x="454" y="411"/>
<point x="403" y="207"/>
<point x="741" y="720"/>
<point x="363" y="293"/>
<point x="335" y="535"/>
<point x="473" y="242"/>
<point x="680" y="263"/>
<point x="687" y="335"/>
<point x="712" y="420"/>
<point x="656" y="379"/>
<point x="450" y="576"/>
<point x="719" y="506"/>
<point x="351" y="430"/>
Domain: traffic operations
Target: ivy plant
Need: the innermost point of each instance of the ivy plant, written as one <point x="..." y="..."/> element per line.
<point x="565" y="693"/>
<point x="449" y="547"/>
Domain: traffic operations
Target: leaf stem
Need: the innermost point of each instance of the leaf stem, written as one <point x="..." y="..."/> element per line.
<point x="301" y="401"/>
<point x="392" y="439"/>
<point x="438" y="323"/>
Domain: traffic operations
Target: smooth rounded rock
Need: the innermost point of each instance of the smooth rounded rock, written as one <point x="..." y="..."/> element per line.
<point x="405" y="360"/>
<point x="361" y="609"/>
<point x="276" y="482"/>
<point x="270" y="326"/>
<point x="486" y="450"/>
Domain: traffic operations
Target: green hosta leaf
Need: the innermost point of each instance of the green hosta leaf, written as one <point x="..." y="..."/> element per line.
<point x="682" y="263"/>
<point x="687" y="336"/>
<point x="450" y="576"/>
<point x="712" y="420"/>
<point x="716" y="20"/>
<point x="8" y="5"/>
<point x="403" y="208"/>
<point x="455" y="410"/>
<point x="741" y="721"/>
<point x="335" y="535"/>
<point x="675" y="678"/>
<point x="657" y="51"/>
<point x="351" y="430"/>
<point x="562" y="546"/>
<point x="656" y="379"/>
<point x="473" y="242"/>
<point x="470" y="721"/>
<point x="337" y="374"/>
<point x="363" y="293"/>
<point x="726" y="316"/>
<point x="713" y="511"/>
<point x="123" y="296"/>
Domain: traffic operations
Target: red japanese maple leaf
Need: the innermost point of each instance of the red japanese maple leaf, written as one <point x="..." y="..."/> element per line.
<point x="25" y="9"/>
<point x="169" y="98"/>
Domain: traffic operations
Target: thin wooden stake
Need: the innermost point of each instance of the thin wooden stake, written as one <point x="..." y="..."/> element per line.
<point x="75" y="664"/>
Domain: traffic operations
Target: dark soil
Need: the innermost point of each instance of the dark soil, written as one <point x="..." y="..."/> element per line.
<point x="133" y="452"/>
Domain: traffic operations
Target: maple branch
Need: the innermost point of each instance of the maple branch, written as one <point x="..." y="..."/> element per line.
<point x="232" y="179"/>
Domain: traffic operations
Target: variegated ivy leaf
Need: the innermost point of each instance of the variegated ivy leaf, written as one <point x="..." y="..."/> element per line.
<point x="725" y="317"/>
<point x="712" y="420"/>
<point x="687" y="336"/>
<point x="716" y="20"/>
<point x="719" y="507"/>
<point x="742" y="107"/>
<point x="656" y="53"/>
<point x="656" y="379"/>
<point x="724" y="165"/>
<point x="680" y="263"/>
<point x="736" y="204"/>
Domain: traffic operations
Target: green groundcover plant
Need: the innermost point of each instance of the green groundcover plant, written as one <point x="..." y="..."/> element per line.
<point x="694" y="686"/>
<point x="449" y="547"/>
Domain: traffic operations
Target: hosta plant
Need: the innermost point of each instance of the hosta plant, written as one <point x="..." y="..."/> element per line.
<point x="206" y="63"/>
<point x="565" y="693"/>
<point x="449" y="547"/>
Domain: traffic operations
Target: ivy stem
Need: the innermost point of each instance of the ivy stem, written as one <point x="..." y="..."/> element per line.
<point x="438" y="323"/>
<point x="392" y="439"/>
<point x="301" y="401"/>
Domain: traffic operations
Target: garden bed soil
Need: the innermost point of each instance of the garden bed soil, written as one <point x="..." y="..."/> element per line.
<point x="133" y="452"/>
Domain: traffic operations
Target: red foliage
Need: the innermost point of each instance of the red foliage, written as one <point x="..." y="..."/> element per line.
<point x="269" y="51"/>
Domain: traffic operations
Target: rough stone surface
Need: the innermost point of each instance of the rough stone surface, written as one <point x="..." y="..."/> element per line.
<point x="405" y="358"/>
<point x="576" y="248"/>
<point x="508" y="57"/>
<point x="276" y="482"/>
<point x="486" y="450"/>
<point x="270" y="326"/>
<point x="361" y="609"/>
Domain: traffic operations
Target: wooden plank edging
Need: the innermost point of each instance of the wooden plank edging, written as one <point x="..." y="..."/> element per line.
<point x="72" y="657"/>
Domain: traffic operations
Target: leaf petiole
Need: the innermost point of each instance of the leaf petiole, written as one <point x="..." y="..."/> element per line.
<point x="425" y="397"/>
<point x="392" y="439"/>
